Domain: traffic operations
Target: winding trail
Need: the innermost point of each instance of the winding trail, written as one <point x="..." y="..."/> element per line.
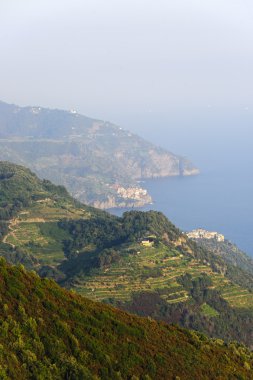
<point x="11" y="232"/>
<point x="14" y="223"/>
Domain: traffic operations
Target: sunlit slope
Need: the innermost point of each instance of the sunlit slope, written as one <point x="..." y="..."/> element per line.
<point x="104" y="258"/>
<point x="48" y="333"/>
<point x="30" y="209"/>
<point x="155" y="269"/>
<point x="107" y="259"/>
<point x="169" y="277"/>
<point x="35" y="229"/>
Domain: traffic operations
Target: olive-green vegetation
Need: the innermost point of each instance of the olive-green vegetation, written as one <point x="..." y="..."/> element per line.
<point x="86" y="155"/>
<point x="173" y="280"/>
<point x="101" y="257"/>
<point x="30" y="210"/>
<point x="20" y="187"/>
<point x="48" y="333"/>
<point x="229" y="252"/>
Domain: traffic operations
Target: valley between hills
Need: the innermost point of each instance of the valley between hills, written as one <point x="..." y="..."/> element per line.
<point x="142" y="262"/>
<point x="138" y="263"/>
<point x="101" y="256"/>
<point x="115" y="254"/>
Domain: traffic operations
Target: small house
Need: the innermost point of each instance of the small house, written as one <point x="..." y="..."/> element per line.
<point x="148" y="241"/>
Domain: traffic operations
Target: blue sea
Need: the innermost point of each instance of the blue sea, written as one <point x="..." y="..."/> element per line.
<point x="221" y="197"/>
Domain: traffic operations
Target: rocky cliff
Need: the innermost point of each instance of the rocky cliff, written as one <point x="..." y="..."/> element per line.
<point x="88" y="156"/>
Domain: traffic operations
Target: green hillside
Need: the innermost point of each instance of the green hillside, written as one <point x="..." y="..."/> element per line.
<point x="49" y="333"/>
<point x="102" y="257"/>
<point x="172" y="279"/>
<point x="229" y="252"/>
<point x="30" y="210"/>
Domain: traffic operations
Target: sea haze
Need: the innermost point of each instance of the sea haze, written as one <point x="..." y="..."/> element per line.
<point x="220" y="198"/>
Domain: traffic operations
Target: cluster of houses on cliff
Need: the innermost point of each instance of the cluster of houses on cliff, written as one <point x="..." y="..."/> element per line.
<point x="203" y="234"/>
<point x="132" y="192"/>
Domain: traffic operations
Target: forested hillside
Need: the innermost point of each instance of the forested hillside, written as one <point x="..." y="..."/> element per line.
<point x="49" y="333"/>
<point x="229" y="252"/>
<point x="103" y="257"/>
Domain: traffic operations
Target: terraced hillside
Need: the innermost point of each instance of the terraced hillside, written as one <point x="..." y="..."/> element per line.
<point x="155" y="269"/>
<point x="140" y="262"/>
<point x="229" y="252"/>
<point x="36" y="232"/>
<point x="35" y="229"/>
<point x="30" y="210"/>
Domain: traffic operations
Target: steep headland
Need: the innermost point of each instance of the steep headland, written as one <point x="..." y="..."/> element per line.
<point x="94" y="159"/>
<point x="220" y="246"/>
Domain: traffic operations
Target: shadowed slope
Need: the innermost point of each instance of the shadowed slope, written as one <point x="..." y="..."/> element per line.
<point x="48" y="333"/>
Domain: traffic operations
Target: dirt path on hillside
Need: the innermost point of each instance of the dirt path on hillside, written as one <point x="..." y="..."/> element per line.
<point x="12" y="229"/>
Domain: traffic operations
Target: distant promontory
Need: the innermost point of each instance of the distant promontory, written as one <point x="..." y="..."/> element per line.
<point x="99" y="162"/>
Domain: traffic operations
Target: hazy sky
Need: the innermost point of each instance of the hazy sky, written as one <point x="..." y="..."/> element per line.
<point x="178" y="72"/>
<point x="109" y="57"/>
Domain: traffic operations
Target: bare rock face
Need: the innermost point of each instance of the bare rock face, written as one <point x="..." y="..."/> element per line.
<point x="87" y="156"/>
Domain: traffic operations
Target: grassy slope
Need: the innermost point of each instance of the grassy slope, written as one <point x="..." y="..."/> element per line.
<point x="49" y="333"/>
<point x="35" y="229"/>
<point x="33" y="222"/>
<point x="36" y="232"/>
<point x="147" y="282"/>
<point x="155" y="269"/>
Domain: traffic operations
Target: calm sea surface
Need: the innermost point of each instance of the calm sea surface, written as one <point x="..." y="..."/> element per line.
<point x="221" y="197"/>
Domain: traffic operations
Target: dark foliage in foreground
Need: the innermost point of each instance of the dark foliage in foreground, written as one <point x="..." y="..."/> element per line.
<point x="49" y="333"/>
